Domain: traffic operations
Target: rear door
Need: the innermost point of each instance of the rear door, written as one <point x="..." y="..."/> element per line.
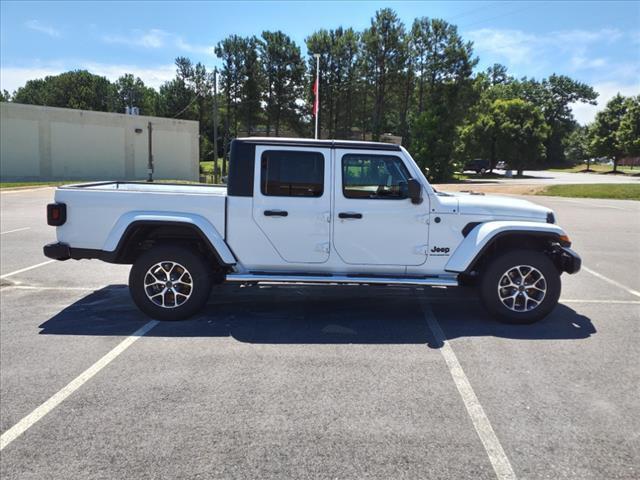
<point x="375" y="222"/>
<point x="292" y="201"/>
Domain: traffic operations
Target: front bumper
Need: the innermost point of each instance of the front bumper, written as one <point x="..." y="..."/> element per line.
<point x="57" y="251"/>
<point x="566" y="259"/>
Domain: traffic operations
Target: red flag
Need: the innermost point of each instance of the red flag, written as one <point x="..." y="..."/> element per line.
<point x="316" y="99"/>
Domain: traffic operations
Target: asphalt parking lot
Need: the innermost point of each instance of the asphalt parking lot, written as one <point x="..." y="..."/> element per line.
<point x="318" y="382"/>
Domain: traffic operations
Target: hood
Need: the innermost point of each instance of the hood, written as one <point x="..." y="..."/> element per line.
<point x="496" y="206"/>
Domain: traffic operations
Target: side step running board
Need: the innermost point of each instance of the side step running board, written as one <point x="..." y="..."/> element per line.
<point x="425" y="281"/>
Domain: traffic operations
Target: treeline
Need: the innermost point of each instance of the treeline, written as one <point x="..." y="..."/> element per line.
<point x="417" y="82"/>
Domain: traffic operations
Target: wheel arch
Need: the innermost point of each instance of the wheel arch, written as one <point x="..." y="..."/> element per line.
<point x="490" y="238"/>
<point x="134" y="233"/>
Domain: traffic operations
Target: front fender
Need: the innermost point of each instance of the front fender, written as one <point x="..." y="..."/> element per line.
<point x="207" y="229"/>
<point x="482" y="236"/>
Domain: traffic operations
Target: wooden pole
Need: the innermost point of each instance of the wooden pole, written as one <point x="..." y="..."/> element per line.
<point x="317" y="99"/>
<point x="150" y="159"/>
<point x="215" y="123"/>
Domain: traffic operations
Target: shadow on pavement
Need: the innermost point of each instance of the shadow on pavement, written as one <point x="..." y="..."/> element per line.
<point x="313" y="315"/>
<point x="458" y="321"/>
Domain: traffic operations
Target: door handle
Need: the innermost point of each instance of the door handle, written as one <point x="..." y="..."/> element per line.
<point x="275" y="213"/>
<point x="349" y="215"/>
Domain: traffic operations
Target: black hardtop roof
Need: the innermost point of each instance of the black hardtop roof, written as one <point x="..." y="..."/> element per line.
<point x="309" y="142"/>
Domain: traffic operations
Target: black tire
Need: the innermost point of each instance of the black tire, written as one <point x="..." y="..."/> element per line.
<point x="483" y="171"/>
<point x="181" y="258"/>
<point x="538" y="306"/>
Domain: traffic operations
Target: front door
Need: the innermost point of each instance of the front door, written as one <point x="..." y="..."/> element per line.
<point x="375" y="223"/>
<point x="292" y="201"/>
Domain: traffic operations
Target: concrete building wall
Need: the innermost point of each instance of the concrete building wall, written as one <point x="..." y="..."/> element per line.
<point x="50" y="143"/>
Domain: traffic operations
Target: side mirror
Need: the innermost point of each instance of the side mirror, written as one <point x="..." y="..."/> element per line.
<point x="415" y="191"/>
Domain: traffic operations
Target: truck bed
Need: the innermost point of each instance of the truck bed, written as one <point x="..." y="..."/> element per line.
<point x="198" y="188"/>
<point x="98" y="213"/>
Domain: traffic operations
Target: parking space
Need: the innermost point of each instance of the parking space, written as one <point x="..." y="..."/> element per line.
<point x="321" y="382"/>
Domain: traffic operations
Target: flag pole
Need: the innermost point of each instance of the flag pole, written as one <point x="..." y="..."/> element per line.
<point x="317" y="96"/>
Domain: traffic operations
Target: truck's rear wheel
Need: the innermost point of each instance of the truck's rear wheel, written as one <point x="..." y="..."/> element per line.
<point x="520" y="286"/>
<point x="170" y="282"/>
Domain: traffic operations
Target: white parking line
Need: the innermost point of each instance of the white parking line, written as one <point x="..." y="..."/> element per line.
<point x="611" y="281"/>
<point x="15" y="230"/>
<point x="28" y="421"/>
<point x="26" y="269"/>
<point x="23" y="190"/>
<point x="63" y="289"/>
<point x="606" y="302"/>
<point x="492" y="446"/>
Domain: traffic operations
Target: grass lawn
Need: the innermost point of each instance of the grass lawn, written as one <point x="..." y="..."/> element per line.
<point x="207" y="167"/>
<point x="597" y="168"/>
<point x="596" y="190"/>
<point x="36" y="184"/>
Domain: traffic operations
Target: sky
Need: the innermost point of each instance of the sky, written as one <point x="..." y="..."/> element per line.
<point x="597" y="42"/>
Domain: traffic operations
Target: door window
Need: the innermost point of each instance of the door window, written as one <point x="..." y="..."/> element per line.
<point x="374" y="177"/>
<point x="292" y="174"/>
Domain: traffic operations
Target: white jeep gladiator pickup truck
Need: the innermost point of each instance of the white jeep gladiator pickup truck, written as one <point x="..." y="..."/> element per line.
<point x="314" y="211"/>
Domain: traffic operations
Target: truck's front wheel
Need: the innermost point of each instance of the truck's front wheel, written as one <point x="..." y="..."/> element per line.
<point x="170" y="282"/>
<point x="520" y="286"/>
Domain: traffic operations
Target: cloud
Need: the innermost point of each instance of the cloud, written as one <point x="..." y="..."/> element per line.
<point x="153" y="38"/>
<point x="515" y="46"/>
<point x="11" y="78"/>
<point x="156" y="39"/>
<point x="581" y="62"/>
<point x="607" y="90"/>
<point x="574" y="38"/>
<point x="569" y="50"/>
<point x="188" y="47"/>
<point x="42" y="28"/>
<point x="523" y="49"/>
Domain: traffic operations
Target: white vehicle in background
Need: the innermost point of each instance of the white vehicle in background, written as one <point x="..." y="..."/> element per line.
<point x="320" y="211"/>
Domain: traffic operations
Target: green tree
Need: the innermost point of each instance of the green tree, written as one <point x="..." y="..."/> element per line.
<point x="382" y="51"/>
<point x="242" y="84"/>
<point x="520" y="133"/>
<point x="432" y="147"/>
<point x="441" y="57"/>
<point x="77" y="89"/>
<point x="320" y="43"/>
<point x="577" y="148"/>
<point x="5" y="96"/>
<point x="339" y="79"/>
<point x="559" y="93"/>
<point x="605" y="140"/>
<point x="445" y="92"/>
<point x="250" y="109"/>
<point x="283" y="71"/>
<point x="199" y="83"/>
<point x="131" y="91"/>
<point x="176" y="100"/>
<point x="497" y="74"/>
<point x="229" y="51"/>
<point x="478" y="137"/>
<point x="554" y="97"/>
<point x="628" y="134"/>
<point x="512" y="130"/>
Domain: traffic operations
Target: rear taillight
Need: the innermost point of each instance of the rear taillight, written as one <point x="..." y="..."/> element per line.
<point x="56" y="214"/>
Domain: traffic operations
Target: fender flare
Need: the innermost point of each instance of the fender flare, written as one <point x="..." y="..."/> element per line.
<point x="483" y="235"/>
<point x="127" y="222"/>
